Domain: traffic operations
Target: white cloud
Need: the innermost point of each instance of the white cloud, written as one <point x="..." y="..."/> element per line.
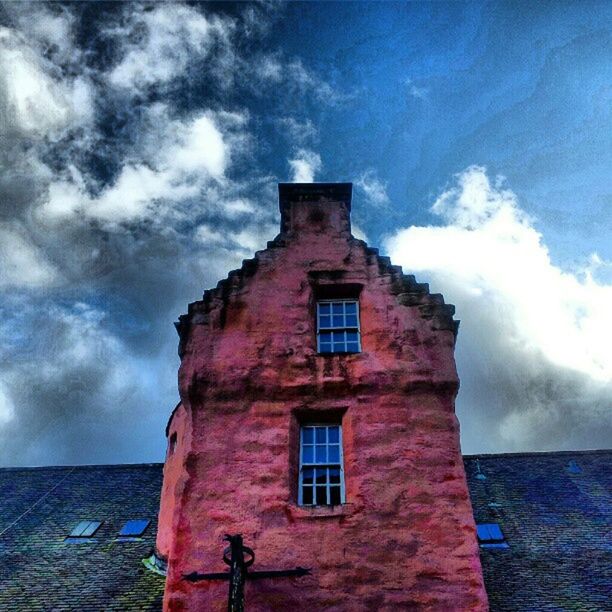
<point x="304" y="166"/>
<point x="525" y="322"/>
<point x="269" y="68"/>
<point x="7" y="410"/>
<point x="48" y="28"/>
<point x="35" y="98"/>
<point x="299" y="132"/>
<point x="273" y="69"/>
<point x="374" y="190"/>
<point x="22" y="263"/>
<point x="358" y="233"/>
<point x="306" y="80"/>
<point x="180" y="158"/>
<point x="170" y="37"/>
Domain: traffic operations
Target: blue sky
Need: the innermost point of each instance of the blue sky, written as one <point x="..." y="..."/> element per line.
<point x="141" y="146"/>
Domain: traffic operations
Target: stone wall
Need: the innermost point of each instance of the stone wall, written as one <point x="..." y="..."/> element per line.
<point x="250" y="374"/>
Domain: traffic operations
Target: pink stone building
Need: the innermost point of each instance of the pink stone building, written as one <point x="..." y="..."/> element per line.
<point x="317" y="419"/>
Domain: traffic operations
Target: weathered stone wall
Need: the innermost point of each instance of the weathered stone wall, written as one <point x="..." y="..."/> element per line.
<point x="175" y="477"/>
<point x="250" y="374"/>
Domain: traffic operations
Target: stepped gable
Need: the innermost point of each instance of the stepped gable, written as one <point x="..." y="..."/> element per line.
<point x="409" y="292"/>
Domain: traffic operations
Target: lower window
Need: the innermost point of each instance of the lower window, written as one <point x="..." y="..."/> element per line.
<point x="321" y="466"/>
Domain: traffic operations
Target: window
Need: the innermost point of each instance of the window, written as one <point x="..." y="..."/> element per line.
<point x="321" y="466"/>
<point x="134" y="528"/>
<point x="83" y="531"/>
<point x="490" y="536"/>
<point x="172" y="444"/>
<point x="338" y="326"/>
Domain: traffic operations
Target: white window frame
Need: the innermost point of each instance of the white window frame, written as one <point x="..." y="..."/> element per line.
<point x="333" y="465"/>
<point x="339" y="329"/>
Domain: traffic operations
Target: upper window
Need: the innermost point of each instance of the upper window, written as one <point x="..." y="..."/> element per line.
<point x="338" y="326"/>
<point x="490" y="536"/>
<point x="321" y="466"/>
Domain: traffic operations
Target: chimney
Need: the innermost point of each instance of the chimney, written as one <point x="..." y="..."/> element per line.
<point x="318" y="207"/>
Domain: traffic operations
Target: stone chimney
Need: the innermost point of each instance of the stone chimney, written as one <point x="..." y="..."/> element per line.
<point x="319" y="207"/>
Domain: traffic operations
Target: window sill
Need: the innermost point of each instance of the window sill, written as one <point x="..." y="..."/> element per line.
<point x="341" y="354"/>
<point x="315" y="512"/>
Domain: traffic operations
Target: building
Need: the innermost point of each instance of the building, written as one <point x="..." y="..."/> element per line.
<point x="320" y="362"/>
<point x="317" y="390"/>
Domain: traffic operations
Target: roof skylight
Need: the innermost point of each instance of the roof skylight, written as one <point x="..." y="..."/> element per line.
<point x="83" y="530"/>
<point x="490" y="536"/>
<point x="134" y="528"/>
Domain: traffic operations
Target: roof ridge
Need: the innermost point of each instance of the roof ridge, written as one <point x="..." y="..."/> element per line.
<point x="158" y="464"/>
<point x="81" y="466"/>
<point x="594" y="451"/>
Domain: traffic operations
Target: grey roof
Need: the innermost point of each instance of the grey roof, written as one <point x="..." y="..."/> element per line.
<point x="556" y="522"/>
<point x="40" y="506"/>
<point x="556" y="516"/>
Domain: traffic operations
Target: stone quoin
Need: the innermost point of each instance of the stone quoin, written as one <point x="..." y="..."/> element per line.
<point x="390" y="526"/>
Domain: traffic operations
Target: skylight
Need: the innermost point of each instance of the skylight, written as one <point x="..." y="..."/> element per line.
<point x="84" y="530"/>
<point x="134" y="528"/>
<point x="490" y="536"/>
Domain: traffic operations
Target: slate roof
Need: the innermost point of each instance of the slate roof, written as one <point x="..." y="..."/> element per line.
<point x="556" y="522"/>
<point x="40" y="571"/>
<point x="556" y="516"/>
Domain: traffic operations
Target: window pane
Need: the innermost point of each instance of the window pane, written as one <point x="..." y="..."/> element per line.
<point x="324" y="321"/>
<point x="321" y="485"/>
<point x="321" y="455"/>
<point x="324" y="307"/>
<point x="85" y="529"/>
<point x="351" y="320"/>
<point x="339" y="347"/>
<point x="334" y="475"/>
<point x="352" y="347"/>
<point x="351" y="336"/>
<point x="325" y="337"/>
<point x="307" y="454"/>
<point x="489" y="532"/>
<point x="333" y="454"/>
<point x="337" y="307"/>
<point x="325" y="348"/>
<point x="134" y="528"/>
<point x="338" y="336"/>
<point x="80" y="528"/>
<point x="338" y="321"/>
<point x="350" y="307"/>
<point x="91" y="528"/>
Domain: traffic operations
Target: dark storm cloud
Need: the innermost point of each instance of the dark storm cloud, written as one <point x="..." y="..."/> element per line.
<point x="129" y="185"/>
